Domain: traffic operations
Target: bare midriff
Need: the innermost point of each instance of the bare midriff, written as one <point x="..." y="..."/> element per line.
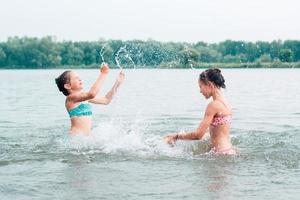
<point x="220" y="139"/>
<point x="81" y="125"/>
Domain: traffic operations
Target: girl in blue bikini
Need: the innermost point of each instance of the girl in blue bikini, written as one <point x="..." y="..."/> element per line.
<point x="217" y="116"/>
<point x="77" y="101"/>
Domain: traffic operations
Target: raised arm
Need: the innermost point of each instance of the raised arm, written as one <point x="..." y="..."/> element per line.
<point x="109" y="96"/>
<point x="84" y="96"/>
<point x="196" y="134"/>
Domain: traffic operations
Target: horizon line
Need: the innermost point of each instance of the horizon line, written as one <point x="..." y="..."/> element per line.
<point x="101" y="39"/>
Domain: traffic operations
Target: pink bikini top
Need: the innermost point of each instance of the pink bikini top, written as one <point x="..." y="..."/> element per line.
<point x="221" y="120"/>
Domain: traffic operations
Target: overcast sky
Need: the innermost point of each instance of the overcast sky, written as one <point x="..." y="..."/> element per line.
<point x="163" y="20"/>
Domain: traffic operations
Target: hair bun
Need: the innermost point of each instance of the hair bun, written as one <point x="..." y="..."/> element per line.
<point x="217" y="70"/>
<point x="214" y="75"/>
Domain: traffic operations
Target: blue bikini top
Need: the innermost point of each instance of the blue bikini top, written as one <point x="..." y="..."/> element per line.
<point x="84" y="109"/>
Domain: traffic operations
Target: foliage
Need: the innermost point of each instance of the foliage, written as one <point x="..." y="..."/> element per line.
<point x="46" y="52"/>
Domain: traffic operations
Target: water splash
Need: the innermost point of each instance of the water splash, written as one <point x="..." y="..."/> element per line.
<point x="133" y="139"/>
<point x="102" y="53"/>
<point x="186" y="48"/>
<point x="127" y="56"/>
<point x="123" y="51"/>
<point x="117" y="59"/>
<point x="191" y="65"/>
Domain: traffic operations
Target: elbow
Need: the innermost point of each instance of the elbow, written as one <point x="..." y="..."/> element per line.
<point x="198" y="135"/>
<point x="107" y="101"/>
<point x="92" y="95"/>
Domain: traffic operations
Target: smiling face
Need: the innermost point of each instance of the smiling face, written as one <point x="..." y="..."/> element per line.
<point x="75" y="83"/>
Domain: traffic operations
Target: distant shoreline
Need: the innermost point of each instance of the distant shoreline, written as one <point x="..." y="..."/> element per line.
<point x="47" y="53"/>
<point x="256" y="65"/>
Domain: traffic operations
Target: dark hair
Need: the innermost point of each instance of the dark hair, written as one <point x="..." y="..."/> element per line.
<point x="214" y="75"/>
<point x="62" y="80"/>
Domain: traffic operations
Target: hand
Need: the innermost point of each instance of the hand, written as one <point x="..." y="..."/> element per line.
<point x="104" y="68"/>
<point x="171" y="139"/>
<point x="121" y="77"/>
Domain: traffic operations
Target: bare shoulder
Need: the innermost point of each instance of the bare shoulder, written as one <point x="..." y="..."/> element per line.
<point x="69" y="102"/>
<point x="213" y="105"/>
<point x="69" y="99"/>
<point x="222" y="106"/>
<point x="212" y="108"/>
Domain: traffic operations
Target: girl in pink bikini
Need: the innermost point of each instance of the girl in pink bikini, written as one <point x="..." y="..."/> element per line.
<point x="217" y="116"/>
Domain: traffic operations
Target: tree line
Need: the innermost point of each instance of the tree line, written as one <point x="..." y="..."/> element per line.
<point x="46" y="52"/>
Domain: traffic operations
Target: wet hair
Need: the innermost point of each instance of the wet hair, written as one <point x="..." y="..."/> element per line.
<point x="62" y="80"/>
<point x="213" y="75"/>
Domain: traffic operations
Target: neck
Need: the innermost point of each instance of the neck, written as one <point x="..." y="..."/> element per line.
<point x="74" y="91"/>
<point x="217" y="94"/>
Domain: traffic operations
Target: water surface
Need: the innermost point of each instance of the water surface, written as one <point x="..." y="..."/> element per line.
<point x="126" y="158"/>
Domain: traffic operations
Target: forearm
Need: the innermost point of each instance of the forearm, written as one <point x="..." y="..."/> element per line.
<point x="193" y="135"/>
<point x="196" y="134"/>
<point x="112" y="91"/>
<point x="97" y="85"/>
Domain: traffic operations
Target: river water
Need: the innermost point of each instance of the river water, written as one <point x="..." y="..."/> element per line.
<point x="125" y="158"/>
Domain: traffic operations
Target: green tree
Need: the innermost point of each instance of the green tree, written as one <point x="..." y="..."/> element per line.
<point x="46" y="52"/>
<point x="275" y="47"/>
<point x="2" y="57"/>
<point x="231" y="59"/>
<point x="264" y="58"/>
<point x="208" y="55"/>
<point x="189" y="55"/>
<point x="71" y="54"/>
<point x="294" y="45"/>
<point x="285" y="55"/>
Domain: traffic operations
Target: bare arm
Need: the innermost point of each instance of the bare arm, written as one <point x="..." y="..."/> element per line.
<point x="109" y="96"/>
<point x="196" y="134"/>
<point x="83" y="96"/>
